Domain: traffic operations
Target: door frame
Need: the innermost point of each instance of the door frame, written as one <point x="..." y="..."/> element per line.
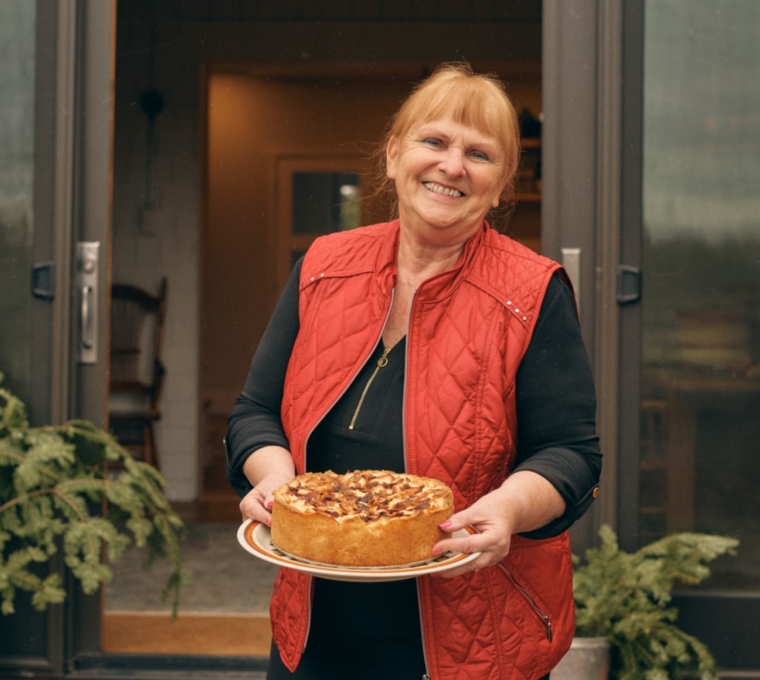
<point x="581" y="213"/>
<point x="91" y="213"/>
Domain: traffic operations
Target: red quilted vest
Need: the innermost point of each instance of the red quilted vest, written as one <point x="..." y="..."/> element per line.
<point x="468" y="331"/>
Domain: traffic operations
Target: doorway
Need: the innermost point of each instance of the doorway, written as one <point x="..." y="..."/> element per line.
<point x="258" y="104"/>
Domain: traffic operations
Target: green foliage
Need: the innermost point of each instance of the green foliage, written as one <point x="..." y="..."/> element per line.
<point x="56" y="493"/>
<point x="625" y="598"/>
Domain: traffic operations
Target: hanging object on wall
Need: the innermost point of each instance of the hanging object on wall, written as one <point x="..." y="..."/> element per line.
<point x="152" y="103"/>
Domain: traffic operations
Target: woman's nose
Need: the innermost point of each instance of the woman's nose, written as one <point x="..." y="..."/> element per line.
<point x="453" y="162"/>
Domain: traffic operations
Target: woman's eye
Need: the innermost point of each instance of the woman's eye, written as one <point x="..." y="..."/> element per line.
<point x="432" y="141"/>
<point x="480" y="155"/>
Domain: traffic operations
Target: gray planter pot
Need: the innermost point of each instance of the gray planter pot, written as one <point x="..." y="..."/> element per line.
<point x="587" y="659"/>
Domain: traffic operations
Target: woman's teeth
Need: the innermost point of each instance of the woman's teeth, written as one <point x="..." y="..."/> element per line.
<point x="438" y="189"/>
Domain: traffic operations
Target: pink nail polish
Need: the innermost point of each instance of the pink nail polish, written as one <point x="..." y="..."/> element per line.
<point x="445" y="525"/>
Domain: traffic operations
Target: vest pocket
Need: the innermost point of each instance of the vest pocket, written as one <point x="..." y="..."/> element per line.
<point x="542" y="616"/>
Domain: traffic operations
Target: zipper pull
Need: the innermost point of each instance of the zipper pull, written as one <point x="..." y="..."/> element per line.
<point x="382" y="362"/>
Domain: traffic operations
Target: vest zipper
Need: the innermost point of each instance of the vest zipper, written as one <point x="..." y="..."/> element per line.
<point x="382" y="362"/>
<point x="426" y="676"/>
<point x="544" y="618"/>
<point x="305" y="447"/>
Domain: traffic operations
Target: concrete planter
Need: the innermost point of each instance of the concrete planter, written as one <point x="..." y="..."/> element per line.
<point x="587" y="659"/>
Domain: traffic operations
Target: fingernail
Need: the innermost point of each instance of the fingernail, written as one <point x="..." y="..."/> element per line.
<point x="445" y="525"/>
<point x="437" y="550"/>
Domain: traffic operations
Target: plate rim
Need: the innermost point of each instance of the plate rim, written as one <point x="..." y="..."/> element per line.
<point x="253" y="544"/>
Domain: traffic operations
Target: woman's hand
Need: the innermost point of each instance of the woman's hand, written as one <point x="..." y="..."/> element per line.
<point x="267" y="469"/>
<point x="525" y="501"/>
<point x="257" y="503"/>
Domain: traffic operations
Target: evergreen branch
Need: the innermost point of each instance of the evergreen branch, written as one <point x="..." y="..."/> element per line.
<point x="23" y="499"/>
<point x="74" y="456"/>
<point x="82" y="518"/>
<point x="624" y="597"/>
<point x="11" y="456"/>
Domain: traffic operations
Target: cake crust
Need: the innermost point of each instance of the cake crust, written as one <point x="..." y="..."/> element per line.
<point x="367" y="518"/>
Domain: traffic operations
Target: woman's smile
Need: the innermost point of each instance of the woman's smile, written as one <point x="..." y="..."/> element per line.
<point x="440" y="189"/>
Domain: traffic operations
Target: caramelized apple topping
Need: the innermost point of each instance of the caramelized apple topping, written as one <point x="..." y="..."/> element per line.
<point x="367" y="494"/>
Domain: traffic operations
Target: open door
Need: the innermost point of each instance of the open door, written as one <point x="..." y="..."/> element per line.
<point x="55" y="213"/>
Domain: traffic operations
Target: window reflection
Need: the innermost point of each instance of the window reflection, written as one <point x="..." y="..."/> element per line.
<point x="700" y="412"/>
<point x="16" y="189"/>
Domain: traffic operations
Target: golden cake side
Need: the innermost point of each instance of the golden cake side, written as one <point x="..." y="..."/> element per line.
<point x="365" y="518"/>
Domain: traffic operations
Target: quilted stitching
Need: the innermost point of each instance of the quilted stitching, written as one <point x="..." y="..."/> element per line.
<point x="468" y="332"/>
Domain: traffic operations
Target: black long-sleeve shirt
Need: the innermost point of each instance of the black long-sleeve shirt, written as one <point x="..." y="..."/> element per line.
<point x="555" y="407"/>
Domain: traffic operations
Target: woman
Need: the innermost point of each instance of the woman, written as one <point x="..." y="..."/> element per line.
<point x="434" y="345"/>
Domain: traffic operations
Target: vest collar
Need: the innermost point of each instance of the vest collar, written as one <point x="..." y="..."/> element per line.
<point x="437" y="287"/>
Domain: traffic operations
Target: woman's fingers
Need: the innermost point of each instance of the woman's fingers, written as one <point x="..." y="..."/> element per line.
<point x="252" y="507"/>
<point x="491" y="541"/>
<point x="493" y="532"/>
<point x="492" y="545"/>
<point x="257" y="504"/>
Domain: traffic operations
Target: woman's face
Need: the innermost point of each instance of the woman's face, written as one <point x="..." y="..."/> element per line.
<point x="447" y="176"/>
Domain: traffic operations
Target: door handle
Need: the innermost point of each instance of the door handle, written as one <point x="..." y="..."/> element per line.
<point x="628" y="284"/>
<point x="87" y="272"/>
<point x="43" y="280"/>
<point x="87" y="341"/>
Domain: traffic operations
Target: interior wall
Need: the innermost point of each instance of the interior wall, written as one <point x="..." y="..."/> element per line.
<point x="252" y="122"/>
<point x="168" y="46"/>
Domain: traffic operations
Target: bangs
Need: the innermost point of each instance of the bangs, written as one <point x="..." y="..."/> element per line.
<point x="471" y="104"/>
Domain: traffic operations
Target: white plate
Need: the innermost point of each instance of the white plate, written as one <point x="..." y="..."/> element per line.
<point x="256" y="539"/>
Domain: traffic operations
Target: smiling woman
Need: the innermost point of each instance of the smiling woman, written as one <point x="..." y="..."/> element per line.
<point x="428" y="345"/>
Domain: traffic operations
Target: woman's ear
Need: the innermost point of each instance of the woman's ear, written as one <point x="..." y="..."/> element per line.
<point x="391" y="157"/>
<point x="497" y="198"/>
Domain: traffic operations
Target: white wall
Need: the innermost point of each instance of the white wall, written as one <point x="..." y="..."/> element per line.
<point x="165" y="243"/>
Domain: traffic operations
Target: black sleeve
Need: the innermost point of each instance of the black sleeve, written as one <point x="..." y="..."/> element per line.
<point x="255" y="420"/>
<point x="556" y="409"/>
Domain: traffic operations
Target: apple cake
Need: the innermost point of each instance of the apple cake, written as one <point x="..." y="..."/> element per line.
<point x="366" y="518"/>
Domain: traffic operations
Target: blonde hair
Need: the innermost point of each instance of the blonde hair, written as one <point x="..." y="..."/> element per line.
<point x="469" y="98"/>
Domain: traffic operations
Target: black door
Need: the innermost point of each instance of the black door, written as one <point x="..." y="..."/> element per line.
<point x="690" y="350"/>
<point x="55" y="193"/>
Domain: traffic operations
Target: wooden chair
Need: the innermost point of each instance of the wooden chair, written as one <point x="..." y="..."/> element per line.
<point x="137" y="372"/>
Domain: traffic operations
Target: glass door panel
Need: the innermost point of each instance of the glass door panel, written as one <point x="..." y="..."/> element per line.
<point x="699" y="466"/>
<point x="17" y="83"/>
<point x="27" y="638"/>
